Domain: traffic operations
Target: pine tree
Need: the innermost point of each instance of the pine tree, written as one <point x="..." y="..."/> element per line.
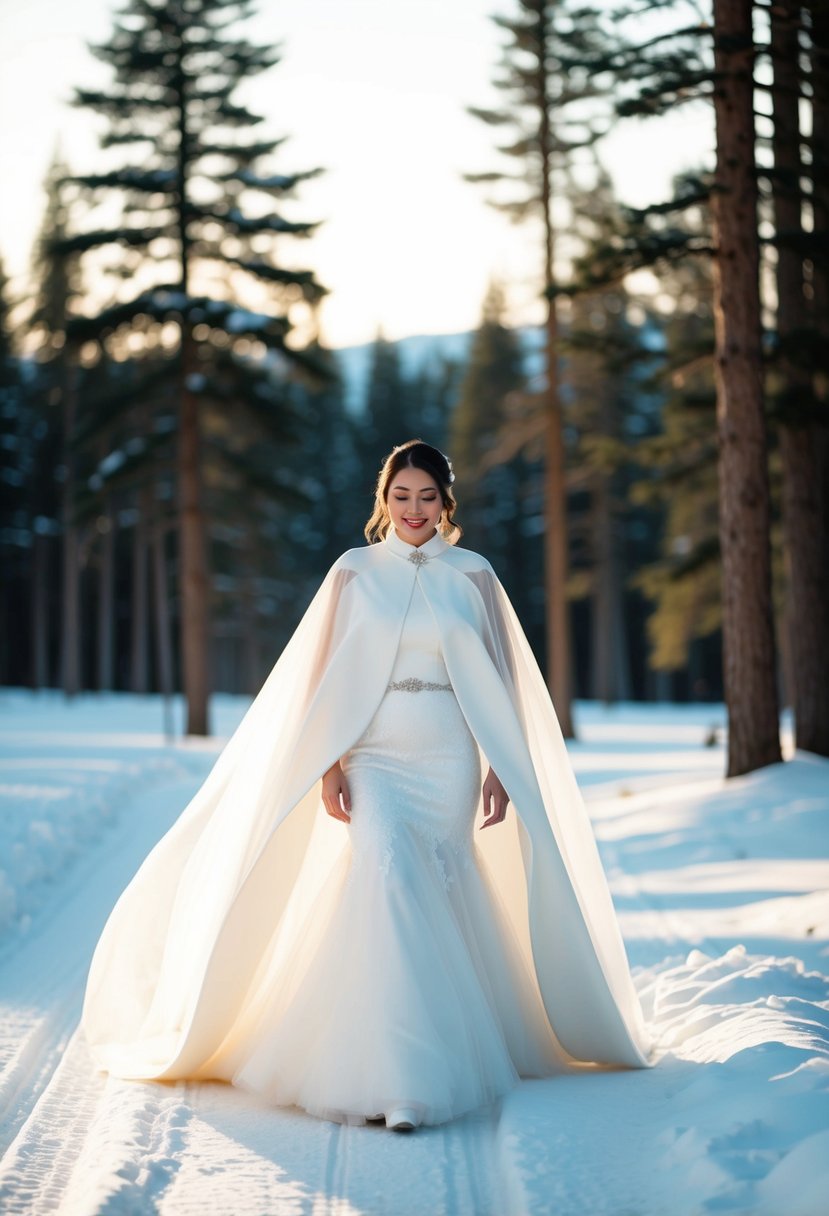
<point x="15" y="467"/>
<point x="545" y="81"/>
<point x="818" y="173"/>
<point x="818" y="256"/>
<point x="431" y="393"/>
<point x="744" y="507"/>
<point x="605" y="355"/>
<point x="672" y="499"/>
<point x="667" y="69"/>
<point x="331" y="456"/>
<point x="609" y="410"/>
<point x="187" y="178"/>
<point x="678" y="478"/>
<point x="386" y="416"/>
<point x="744" y="510"/>
<point x="53" y="484"/>
<point x="798" y="412"/>
<point x="492" y="488"/>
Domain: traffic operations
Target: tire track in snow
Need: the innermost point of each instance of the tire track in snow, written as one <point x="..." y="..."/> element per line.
<point x="82" y="1143"/>
<point x="32" y="1041"/>
<point x="211" y="1147"/>
<point x="43" y="976"/>
<point x="132" y="1149"/>
<point x="35" y="1170"/>
<point x="88" y="1143"/>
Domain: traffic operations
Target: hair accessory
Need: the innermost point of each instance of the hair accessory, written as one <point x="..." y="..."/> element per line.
<point x="448" y="465"/>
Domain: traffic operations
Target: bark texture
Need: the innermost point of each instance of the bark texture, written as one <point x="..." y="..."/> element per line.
<point x="748" y="634"/>
<point x="556" y="558"/>
<point x="807" y="551"/>
<point x="70" y="628"/>
<point x="193" y="570"/>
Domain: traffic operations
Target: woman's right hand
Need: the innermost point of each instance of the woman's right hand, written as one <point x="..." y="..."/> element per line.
<point x="334" y="788"/>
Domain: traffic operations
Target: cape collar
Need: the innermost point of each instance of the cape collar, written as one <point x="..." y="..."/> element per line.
<point x="415" y="553"/>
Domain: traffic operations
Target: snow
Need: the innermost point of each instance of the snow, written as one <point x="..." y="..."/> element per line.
<point x="167" y="298"/>
<point x="721" y="890"/>
<point x="276" y="181"/>
<point x="240" y="321"/>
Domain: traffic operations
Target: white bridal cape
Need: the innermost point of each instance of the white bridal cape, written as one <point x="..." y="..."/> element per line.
<point x="235" y="877"/>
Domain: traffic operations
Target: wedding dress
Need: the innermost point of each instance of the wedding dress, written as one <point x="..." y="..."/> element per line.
<point x="407" y="957"/>
<point x="414" y="992"/>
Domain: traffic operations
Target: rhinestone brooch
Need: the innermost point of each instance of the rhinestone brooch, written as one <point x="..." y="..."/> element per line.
<point x="418" y="558"/>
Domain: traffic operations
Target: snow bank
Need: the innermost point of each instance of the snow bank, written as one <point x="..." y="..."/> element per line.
<point x="67" y="769"/>
<point x="734" y="1116"/>
<point x="721" y="890"/>
<point x="50" y="812"/>
<point x="725" y="1122"/>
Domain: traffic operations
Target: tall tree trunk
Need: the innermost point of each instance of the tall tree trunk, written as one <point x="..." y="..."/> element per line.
<point x="70" y="640"/>
<point x="559" y="677"/>
<point x="40" y="611"/>
<point x="748" y="634"/>
<point x="555" y="540"/>
<point x="803" y="519"/>
<point x="809" y="588"/>
<point x="819" y="14"/>
<point x="193" y="580"/>
<point x="251" y="674"/>
<point x="193" y="566"/>
<point x="161" y="605"/>
<point x="139" y="675"/>
<point x="611" y="662"/>
<point x="610" y="675"/>
<point x="106" y="598"/>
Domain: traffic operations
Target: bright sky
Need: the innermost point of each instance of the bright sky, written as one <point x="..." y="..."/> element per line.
<point x="373" y="91"/>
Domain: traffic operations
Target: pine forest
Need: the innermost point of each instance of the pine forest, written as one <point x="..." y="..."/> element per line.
<point x="183" y="455"/>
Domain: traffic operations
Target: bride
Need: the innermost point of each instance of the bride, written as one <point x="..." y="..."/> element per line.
<point x="346" y="917"/>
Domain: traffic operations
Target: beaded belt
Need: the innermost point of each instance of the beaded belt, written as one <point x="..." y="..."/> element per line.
<point x="413" y="684"/>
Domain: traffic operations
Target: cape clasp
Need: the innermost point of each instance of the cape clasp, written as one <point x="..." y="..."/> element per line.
<point x="418" y="558"/>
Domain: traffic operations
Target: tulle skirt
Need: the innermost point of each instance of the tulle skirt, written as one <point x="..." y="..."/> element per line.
<point x="407" y="985"/>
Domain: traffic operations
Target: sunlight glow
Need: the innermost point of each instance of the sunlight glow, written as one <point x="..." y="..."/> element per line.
<point x="375" y="94"/>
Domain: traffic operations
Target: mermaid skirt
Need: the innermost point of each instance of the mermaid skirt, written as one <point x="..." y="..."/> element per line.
<point x="407" y="986"/>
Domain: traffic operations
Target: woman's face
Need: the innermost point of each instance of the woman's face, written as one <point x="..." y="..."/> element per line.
<point x="414" y="503"/>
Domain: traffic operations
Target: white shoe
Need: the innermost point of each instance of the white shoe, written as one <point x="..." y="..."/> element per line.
<point x="402" y="1119"/>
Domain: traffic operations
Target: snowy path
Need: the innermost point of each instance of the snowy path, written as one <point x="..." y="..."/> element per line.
<point x="94" y="1144"/>
<point x="77" y="1141"/>
<point x="82" y="1142"/>
<point x="721" y="892"/>
<point x="42" y="979"/>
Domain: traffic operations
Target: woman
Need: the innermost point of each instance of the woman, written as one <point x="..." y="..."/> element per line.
<point x="323" y="924"/>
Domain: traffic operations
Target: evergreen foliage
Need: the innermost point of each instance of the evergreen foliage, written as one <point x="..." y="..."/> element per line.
<point x="399" y="404"/>
<point x="386" y="416"/>
<point x="16" y="442"/>
<point x="679" y="477"/>
<point x="494" y="488"/>
<point x="551" y="97"/>
<point x="177" y="459"/>
<point x="200" y="218"/>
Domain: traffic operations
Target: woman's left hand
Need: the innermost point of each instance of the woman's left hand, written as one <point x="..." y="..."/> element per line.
<point x="495" y="800"/>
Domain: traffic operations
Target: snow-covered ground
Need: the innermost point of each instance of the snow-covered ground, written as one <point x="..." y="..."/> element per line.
<point x="721" y="890"/>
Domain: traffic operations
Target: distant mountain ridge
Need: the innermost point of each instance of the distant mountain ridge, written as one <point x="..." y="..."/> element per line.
<point x="419" y="350"/>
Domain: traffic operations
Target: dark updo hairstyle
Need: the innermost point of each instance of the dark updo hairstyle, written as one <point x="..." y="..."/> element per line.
<point x="414" y="454"/>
